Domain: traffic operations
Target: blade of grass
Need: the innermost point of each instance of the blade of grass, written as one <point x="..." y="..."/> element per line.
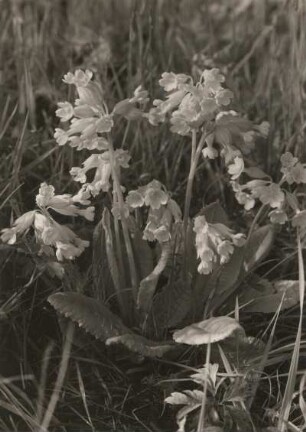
<point x="287" y="398"/>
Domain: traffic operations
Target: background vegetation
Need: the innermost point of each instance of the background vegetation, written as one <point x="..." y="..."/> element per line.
<point x="261" y="47"/>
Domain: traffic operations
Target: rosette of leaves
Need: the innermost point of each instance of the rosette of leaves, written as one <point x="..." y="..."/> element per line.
<point x="166" y="298"/>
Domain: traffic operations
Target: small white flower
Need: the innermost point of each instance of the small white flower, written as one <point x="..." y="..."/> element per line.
<point x="79" y="78"/>
<point x="210" y="152"/>
<point x="278" y="216"/>
<point x="65" y="111"/>
<point x="45" y="194"/>
<point x="135" y="199"/>
<point x="61" y="136"/>
<point x="9" y="235"/>
<point x="236" y="167"/>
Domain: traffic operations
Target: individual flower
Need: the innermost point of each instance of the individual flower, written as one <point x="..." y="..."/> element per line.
<point x="278" y="216"/>
<point x="293" y="170"/>
<point x="61" y="136"/>
<point x="20" y="226"/>
<point x="213" y="79"/>
<point x="135" y="199"/>
<point x="288" y="161"/>
<point x="299" y="220"/>
<point x="158" y="225"/>
<point x="209" y="151"/>
<point x="171" y="81"/>
<point x="155" y="198"/>
<point x="224" y="97"/>
<point x="264" y="128"/>
<point x="242" y="197"/>
<point x="236" y="167"/>
<point x="65" y="111"/>
<point x="140" y="96"/>
<point x="268" y="193"/>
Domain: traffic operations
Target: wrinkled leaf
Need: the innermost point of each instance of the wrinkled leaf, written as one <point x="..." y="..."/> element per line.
<point x="141" y="345"/>
<point x="90" y="314"/>
<point x="265" y="297"/>
<point x="243" y="351"/>
<point x="148" y="285"/>
<point x="228" y="274"/>
<point x="224" y="279"/>
<point x="258" y="246"/>
<point x="207" y="331"/>
<point x="172" y="304"/>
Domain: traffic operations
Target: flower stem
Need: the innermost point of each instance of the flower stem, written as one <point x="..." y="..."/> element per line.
<point x="126" y="235"/>
<point x="195" y="155"/>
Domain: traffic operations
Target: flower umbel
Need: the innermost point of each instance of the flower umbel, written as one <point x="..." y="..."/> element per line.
<point x="214" y="243"/>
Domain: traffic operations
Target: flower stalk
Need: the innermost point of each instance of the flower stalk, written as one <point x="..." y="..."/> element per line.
<point x="126" y="235"/>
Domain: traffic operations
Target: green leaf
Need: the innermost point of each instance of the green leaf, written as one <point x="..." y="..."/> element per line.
<point x="207" y="331"/>
<point x="191" y="399"/>
<point x="90" y="314"/>
<point x="171" y="305"/>
<point x="227" y="275"/>
<point x="110" y="250"/>
<point x="265" y="297"/>
<point x="214" y="213"/>
<point x="188" y="397"/>
<point x="258" y="246"/>
<point x="256" y="173"/>
<point x="143" y="255"/>
<point x="102" y="278"/>
<point x="148" y="285"/>
<point x="141" y="345"/>
<point x="243" y="351"/>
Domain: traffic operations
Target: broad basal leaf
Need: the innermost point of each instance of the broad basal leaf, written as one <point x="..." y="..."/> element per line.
<point x="102" y="279"/>
<point x="207" y="331"/>
<point x="224" y="279"/>
<point x="148" y="285"/>
<point x="110" y="250"/>
<point x="228" y="273"/>
<point x="258" y="246"/>
<point x="243" y="351"/>
<point x="143" y="255"/>
<point x="265" y="297"/>
<point x="214" y="213"/>
<point x="172" y="304"/>
<point x="141" y="345"/>
<point x="90" y="314"/>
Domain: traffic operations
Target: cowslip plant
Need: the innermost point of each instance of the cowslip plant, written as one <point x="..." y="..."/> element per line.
<point x="143" y="234"/>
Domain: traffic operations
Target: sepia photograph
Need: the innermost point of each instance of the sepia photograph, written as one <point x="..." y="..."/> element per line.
<point x="152" y="215"/>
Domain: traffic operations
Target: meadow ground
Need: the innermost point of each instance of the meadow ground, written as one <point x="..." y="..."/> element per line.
<point x="53" y="375"/>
